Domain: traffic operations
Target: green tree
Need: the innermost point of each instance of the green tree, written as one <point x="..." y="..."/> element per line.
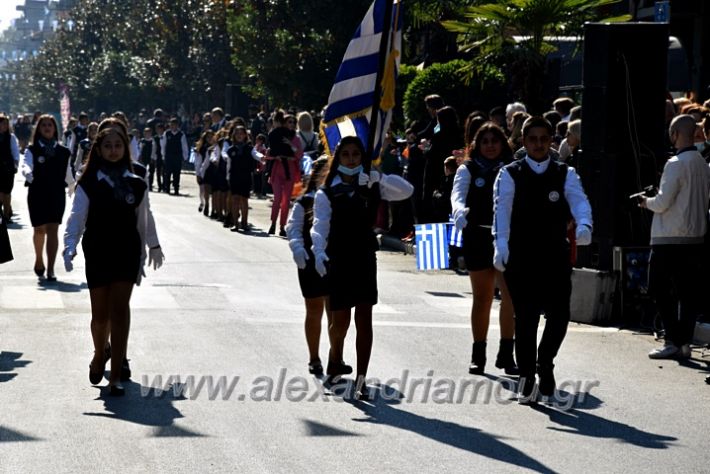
<point x="488" y="31"/>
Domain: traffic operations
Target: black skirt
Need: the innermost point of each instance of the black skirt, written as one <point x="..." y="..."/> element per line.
<point x="121" y="263"/>
<point x="7" y="180"/>
<point x="46" y="205"/>
<point x="352" y="280"/>
<point x="312" y="284"/>
<point x="478" y="248"/>
<point x="240" y="184"/>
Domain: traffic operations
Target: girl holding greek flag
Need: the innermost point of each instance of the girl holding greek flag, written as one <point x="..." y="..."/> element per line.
<point x="344" y="247"/>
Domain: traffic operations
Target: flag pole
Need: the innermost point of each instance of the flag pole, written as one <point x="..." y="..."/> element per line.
<point x="384" y="43"/>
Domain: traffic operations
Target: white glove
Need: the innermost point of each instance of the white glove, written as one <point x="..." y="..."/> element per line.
<point x="68" y="257"/>
<point x="583" y="235"/>
<point x="321" y="258"/>
<point x="155" y="258"/>
<point x="300" y="256"/>
<point x="460" y="220"/>
<point x="375" y="177"/>
<point x="363" y="179"/>
<point x="500" y="255"/>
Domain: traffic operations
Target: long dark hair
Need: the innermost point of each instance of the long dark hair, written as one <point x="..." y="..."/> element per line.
<point x="318" y="172"/>
<point x="94" y="161"/>
<point x="490" y="127"/>
<point x="336" y="157"/>
<point x="35" y="131"/>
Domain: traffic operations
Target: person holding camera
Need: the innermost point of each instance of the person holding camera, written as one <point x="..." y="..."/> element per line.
<point x="680" y="214"/>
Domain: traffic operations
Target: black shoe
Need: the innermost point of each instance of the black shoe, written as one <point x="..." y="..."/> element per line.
<point x="363" y="394"/>
<point x="526" y="389"/>
<point x="282" y="232"/>
<point x="51" y="278"/>
<point x="315" y="367"/>
<point x="547" y="379"/>
<point x="39" y="271"/>
<point x="272" y="229"/>
<point x="339" y="368"/>
<point x="234" y="228"/>
<point x="478" y="358"/>
<point x="220" y="218"/>
<point x="96" y="377"/>
<point x="707" y="379"/>
<point x="505" y="359"/>
<point x="227" y="223"/>
<point x="200" y="208"/>
<point x="213" y="215"/>
<point x="206" y="211"/>
<point x="116" y="390"/>
<point x="125" y="370"/>
<point x="245" y="227"/>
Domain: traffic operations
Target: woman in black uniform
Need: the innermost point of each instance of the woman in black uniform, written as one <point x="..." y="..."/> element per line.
<point x="313" y="286"/>
<point x="241" y="162"/>
<point x="47" y="170"/>
<point x="344" y="213"/>
<point x="472" y="203"/>
<point x="9" y="161"/>
<point x="110" y="211"/>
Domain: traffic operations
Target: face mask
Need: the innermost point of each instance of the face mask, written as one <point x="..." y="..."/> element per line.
<point x="700" y="146"/>
<point x="349" y="171"/>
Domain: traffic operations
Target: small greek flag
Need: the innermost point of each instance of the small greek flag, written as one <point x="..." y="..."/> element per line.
<point x="432" y="246"/>
<point x="455" y="236"/>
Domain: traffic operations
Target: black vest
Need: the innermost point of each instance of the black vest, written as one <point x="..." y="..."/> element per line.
<point x="7" y="162"/>
<point x="480" y="192"/>
<point x="158" y="151"/>
<point x="146" y="150"/>
<point x="49" y="171"/>
<point x="173" y="146"/>
<point x="352" y="220"/>
<point x="85" y="145"/>
<point x="112" y="222"/>
<point x="540" y="210"/>
<point x="80" y="133"/>
<point x="242" y="162"/>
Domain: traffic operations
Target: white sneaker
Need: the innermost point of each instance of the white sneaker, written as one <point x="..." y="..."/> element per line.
<point x="685" y="351"/>
<point x="668" y="351"/>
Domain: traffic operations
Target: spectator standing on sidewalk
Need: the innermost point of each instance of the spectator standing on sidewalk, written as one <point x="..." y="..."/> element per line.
<point x="680" y="213"/>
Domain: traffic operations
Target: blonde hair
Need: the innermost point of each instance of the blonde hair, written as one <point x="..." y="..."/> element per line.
<point x="305" y="122"/>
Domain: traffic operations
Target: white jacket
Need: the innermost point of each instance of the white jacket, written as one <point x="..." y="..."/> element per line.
<point x="681" y="206"/>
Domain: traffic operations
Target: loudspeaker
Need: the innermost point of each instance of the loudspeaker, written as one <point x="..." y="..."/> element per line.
<point x="623" y="129"/>
<point x="237" y="102"/>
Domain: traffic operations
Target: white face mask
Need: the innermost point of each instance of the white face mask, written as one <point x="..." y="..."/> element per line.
<point x="700" y="146"/>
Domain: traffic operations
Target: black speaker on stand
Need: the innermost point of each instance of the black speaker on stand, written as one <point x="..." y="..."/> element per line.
<point x="623" y="129"/>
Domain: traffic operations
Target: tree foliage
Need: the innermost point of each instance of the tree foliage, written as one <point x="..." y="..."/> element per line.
<point x="290" y="50"/>
<point x="132" y="54"/>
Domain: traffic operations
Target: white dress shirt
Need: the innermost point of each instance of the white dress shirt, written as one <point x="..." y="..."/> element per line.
<point x="294" y="226"/>
<point x="504" y="194"/>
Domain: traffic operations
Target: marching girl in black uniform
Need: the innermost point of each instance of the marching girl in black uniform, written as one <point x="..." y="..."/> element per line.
<point x="344" y="247"/>
<point x="313" y="286"/>
<point x="110" y="211"/>
<point x="472" y="205"/>
<point x="220" y="186"/>
<point x="9" y="162"/>
<point x="203" y="170"/>
<point x="47" y="171"/>
<point x="241" y="163"/>
<point x="82" y="153"/>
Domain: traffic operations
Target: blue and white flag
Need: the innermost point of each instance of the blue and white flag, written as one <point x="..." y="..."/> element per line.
<point x="432" y="246"/>
<point x="455" y="236"/>
<point x="352" y="98"/>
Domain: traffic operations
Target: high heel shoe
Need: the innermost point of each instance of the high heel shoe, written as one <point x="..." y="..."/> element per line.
<point x="39" y="271"/>
<point x="116" y="390"/>
<point x="95" y="377"/>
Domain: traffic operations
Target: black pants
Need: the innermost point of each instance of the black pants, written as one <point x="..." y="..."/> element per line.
<point x="674" y="273"/>
<point x="151" y="173"/>
<point x="172" y="173"/>
<point x="536" y="288"/>
<point x="159" y="173"/>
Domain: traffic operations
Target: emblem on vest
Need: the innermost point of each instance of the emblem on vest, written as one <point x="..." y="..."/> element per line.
<point x="130" y="198"/>
<point x="480" y="182"/>
<point x="554" y="196"/>
<point x="40" y="159"/>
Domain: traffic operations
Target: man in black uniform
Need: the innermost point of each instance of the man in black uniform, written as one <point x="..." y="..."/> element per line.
<point x="175" y="151"/>
<point x="534" y="199"/>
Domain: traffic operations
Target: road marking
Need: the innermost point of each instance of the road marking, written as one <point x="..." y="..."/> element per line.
<point x="27" y="297"/>
<point x="152" y="297"/>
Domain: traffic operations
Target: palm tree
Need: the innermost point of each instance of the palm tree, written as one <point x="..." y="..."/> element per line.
<point x="490" y="32"/>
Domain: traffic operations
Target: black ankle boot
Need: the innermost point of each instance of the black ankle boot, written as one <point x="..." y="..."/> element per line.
<point x="505" y="359"/>
<point x="547" y="379"/>
<point x="478" y="358"/>
<point x="526" y="389"/>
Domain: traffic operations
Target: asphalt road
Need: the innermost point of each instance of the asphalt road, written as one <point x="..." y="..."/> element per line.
<point x="226" y="309"/>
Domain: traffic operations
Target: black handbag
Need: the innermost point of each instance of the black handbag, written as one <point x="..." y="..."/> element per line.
<point x="5" y="248"/>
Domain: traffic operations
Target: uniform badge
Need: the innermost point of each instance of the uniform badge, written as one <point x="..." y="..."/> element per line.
<point x="480" y="182"/>
<point x="130" y="198"/>
<point x="554" y="196"/>
<point x="40" y="159"/>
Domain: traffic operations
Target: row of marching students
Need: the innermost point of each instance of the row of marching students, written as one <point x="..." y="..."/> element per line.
<point x="330" y="233"/>
<point x="110" y="217"/>
<point x="225" y="162"/>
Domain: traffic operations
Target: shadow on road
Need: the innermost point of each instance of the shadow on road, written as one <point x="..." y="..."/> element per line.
<point x="577" y="421"/>
<point x="383" y="411"/>
<point x="10" y="361"/>
<point x="61" y="286"/>
<point x="11" y="436"/>
<point x="142" y="406"/>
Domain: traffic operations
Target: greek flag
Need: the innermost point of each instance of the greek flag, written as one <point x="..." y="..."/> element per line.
<point x="352" y="98"/>
<point x="455" y="236"/>
<point x="432" y="246"/>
